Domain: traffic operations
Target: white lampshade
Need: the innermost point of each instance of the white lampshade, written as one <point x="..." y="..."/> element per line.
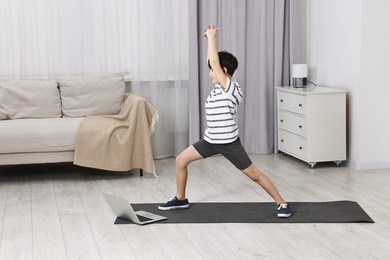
<point x="299" y="70"/>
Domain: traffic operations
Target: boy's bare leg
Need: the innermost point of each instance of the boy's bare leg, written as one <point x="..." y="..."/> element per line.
<point x="189" y="155"/>
<point x="260" y="178"/>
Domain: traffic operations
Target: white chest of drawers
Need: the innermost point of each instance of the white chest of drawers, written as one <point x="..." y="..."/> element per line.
<point x="312" y="123"/>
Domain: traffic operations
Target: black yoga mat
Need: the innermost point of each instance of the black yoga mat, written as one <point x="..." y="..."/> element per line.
<point x="259" y="212"/>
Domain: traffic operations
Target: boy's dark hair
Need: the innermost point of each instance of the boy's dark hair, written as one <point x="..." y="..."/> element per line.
<point x="228" y="61"/>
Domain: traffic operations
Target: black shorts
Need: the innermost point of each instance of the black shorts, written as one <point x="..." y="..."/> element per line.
<point x="234" y="152"/>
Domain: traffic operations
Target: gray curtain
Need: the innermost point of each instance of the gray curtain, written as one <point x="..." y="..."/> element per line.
<point x="266" y="38"/>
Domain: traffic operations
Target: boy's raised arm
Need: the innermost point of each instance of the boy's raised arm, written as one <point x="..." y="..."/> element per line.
<point x="212" y="55"/>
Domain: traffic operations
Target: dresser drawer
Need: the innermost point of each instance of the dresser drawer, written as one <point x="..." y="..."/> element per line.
<point x="292" y="123"/>
<point x="291" y="143"/>
<point x="292" y="102"/>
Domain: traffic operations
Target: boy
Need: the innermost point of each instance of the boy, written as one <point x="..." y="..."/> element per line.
<point x="221" y="135"/>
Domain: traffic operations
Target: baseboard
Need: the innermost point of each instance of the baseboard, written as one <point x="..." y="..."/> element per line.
<point x="367" y="165"/>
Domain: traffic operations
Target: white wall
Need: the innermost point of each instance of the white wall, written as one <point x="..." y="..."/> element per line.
<point x="347" y="47"/>
<point x="375" y="85"/>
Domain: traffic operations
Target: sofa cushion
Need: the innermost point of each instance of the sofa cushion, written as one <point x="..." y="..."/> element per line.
<point x="29" y="99"/>
<point x="38" y="135"/>
<point x="92" y="95"/>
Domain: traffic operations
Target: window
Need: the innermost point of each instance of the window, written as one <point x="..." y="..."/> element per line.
<point x="146" y="40"/>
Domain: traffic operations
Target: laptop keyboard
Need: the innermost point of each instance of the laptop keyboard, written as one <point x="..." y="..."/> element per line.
<point x="143" y="219"/>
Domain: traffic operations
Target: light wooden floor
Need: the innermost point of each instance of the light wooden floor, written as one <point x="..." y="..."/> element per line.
<point x="58" y="212"/>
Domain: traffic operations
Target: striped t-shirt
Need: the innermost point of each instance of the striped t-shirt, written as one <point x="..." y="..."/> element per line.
<point x="221" y="106"/>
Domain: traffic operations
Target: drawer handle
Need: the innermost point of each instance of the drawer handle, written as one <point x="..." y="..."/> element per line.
<point x="300" y="105"/>
<point x="281" y="140"/>
<point x="300" y="126"/>
<point x="281" y="100"/>
<point x="300" y="148"/>
<point x="281" y="120"/>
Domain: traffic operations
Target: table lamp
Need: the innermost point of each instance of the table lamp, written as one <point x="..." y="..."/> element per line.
<point x="299" y="75"/>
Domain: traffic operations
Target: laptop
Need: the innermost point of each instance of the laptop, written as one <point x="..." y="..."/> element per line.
<point x="123" y="210"/>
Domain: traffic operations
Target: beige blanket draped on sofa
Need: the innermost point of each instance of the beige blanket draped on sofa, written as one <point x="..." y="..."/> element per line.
<point x="118" y="142"/>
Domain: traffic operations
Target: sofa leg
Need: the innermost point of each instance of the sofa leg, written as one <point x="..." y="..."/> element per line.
<point x="141" y="172"/>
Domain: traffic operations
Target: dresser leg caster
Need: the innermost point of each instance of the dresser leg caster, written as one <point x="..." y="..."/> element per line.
<point x="338" y="163"/>
<point x="312" y="164"/>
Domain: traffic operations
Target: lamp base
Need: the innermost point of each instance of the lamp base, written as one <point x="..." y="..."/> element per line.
<point x="299" y="82"/>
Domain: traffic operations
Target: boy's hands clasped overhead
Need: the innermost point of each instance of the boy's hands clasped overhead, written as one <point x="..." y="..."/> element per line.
<point x="211" y="31"/>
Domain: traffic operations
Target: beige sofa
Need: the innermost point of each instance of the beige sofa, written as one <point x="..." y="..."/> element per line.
<point x="39" y="119"/>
